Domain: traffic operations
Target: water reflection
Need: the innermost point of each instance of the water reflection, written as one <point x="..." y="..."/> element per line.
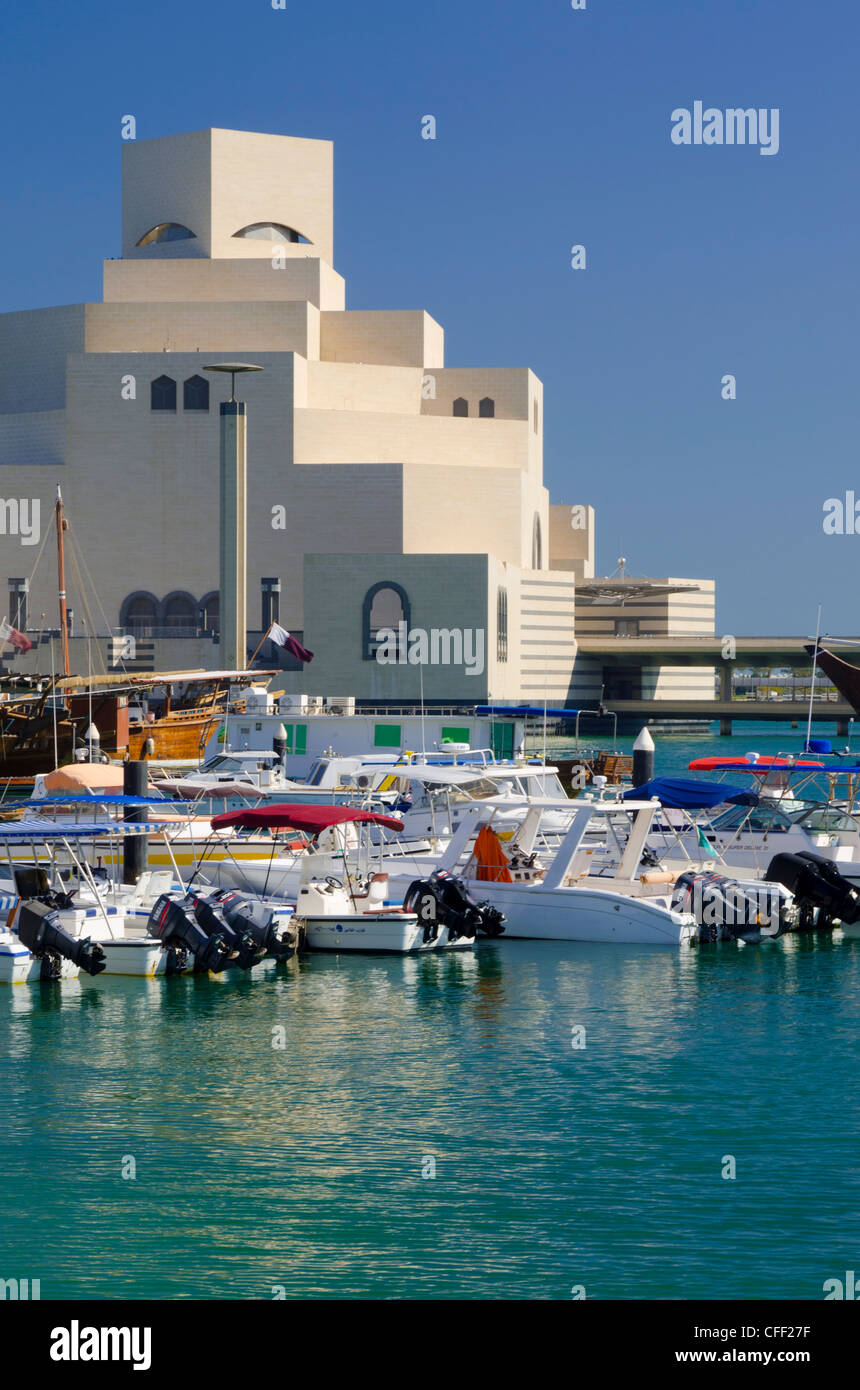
<point x="301" y="1164"/>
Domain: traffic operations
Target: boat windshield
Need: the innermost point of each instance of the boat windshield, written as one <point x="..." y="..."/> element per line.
<point x="478" y="789"/>
<point x="224" y="763"/>
<point x="761" y="819"/>
<point x="825" y="818"/>
<point x="545" y="784"/>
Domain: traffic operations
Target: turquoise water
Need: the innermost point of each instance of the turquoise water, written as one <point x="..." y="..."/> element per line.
<point x="673" y="752"/>
<point x="301" y="1168"/>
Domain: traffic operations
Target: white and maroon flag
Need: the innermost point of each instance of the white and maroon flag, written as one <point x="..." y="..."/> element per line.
<point x="282" y="638"/>
<point x="11" y="634"/>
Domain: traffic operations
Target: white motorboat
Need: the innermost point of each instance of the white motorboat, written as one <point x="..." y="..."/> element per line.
<point x="551" y="891"/>
<point x="556" y="900"/>
<point x="69" y="915"/>
<point x="431" y="800"/>
<point x="343" y="894"/>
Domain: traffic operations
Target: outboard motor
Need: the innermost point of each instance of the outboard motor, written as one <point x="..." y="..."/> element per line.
<point x="179" y="931"/>
<point x="245" y="950"/>
<point x="249" y="915"/>
<point x="452" y="908"/>
<point x="821" y="892"/>
<point x="38" y="927"/>
<point x="726" y="910"/>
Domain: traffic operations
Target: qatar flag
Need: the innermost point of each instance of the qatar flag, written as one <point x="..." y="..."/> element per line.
<point x="282" y="638"/>
<point x="11" y="634"/>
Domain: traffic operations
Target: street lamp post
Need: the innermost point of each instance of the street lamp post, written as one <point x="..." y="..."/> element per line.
<point x="233" y="512"/>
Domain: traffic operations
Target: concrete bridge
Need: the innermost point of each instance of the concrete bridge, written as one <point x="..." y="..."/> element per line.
<point x="777" y="711"/>
<point x="708" y="651"/>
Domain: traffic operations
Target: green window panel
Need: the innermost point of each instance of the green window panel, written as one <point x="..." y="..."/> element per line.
<point x="386" y="736"/>
<point x="503" y="740"/>
<point x="454" y="735"/>
<point x="301" y="738"/>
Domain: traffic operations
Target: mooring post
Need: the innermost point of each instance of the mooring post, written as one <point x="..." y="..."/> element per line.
<point x="135" y="848"/>
<point x="643" y="758"/>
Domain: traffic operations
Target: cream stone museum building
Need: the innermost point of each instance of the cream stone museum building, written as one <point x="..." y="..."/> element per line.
<point x="386" y="491"/>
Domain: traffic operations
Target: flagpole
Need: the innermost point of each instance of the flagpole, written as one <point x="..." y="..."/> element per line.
<point x="259" y="644"/>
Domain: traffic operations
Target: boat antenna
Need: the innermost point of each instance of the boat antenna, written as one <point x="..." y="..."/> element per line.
<point x="812" y="683"/>
<point x="61" y="577"/>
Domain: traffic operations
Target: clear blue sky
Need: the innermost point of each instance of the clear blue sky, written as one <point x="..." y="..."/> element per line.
<point x="553" y="129"/>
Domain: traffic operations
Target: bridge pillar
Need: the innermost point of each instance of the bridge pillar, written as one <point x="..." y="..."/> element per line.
<point x="842" y="728"/>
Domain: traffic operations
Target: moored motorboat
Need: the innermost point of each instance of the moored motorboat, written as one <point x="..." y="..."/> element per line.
<point x="68" y="915"/>
<point x="343" y="900"/>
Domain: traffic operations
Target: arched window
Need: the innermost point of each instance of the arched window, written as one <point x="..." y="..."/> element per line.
<point x="502" y="624"/>
<point x="167" y="231"/>
<point x="386" y="605"/>
<point x="139" y="612"/>
<point x="209" y="612"/>
<point x="537" y="545"/>
<point x="461" y="406"/>
<point x="271" y="231"/>
<point x="195" y="393"/>
<point x="163" y="393"/>
<point x="180" y="610"/>
<point x="487" y="409"/>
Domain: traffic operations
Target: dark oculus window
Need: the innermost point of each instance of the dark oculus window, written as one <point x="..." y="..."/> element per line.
<point x="167" y="231"/>
<point x="271" y="231"/>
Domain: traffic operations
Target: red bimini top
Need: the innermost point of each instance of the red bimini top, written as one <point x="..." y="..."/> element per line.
<point x="763" y="764"/>
<point x="311" y="819"/>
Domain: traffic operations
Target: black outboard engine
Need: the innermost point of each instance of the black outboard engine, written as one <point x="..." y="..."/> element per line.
<point x="245" y="914"/>
<point x="179" y="931"/>
<point x="245" y="950"/>
<point x="820" y="891"/>
<point x="38" y="927"/>
<point x="726" y="910"/>
<point x="442" y="901"/>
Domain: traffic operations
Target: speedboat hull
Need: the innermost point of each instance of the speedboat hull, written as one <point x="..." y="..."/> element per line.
<point x="398" y="932"/>
<point x="19" y="967"/>
<point x="581" y="914"/>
